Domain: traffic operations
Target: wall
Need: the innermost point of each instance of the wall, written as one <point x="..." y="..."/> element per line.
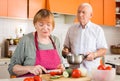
<point x="62" y="23"/>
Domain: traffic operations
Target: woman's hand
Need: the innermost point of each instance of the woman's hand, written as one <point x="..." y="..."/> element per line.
<point x="61" y="67"/>
<point x="37" y="70"/>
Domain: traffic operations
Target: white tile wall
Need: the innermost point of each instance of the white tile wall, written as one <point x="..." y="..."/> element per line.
<point x="8" y="27"/>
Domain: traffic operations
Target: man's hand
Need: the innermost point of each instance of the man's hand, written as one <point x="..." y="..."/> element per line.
<point x="65" y="51"/>
<point x="91" y="56"/>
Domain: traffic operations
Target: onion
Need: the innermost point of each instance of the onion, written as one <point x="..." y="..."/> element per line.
<point x="83" y="71"/>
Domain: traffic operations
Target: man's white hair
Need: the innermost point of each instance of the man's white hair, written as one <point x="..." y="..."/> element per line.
<point x="87" y="5"/>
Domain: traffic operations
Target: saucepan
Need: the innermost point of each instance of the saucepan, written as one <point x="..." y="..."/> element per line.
<point x="117" y="67"/>
<point x="76" y="59"/>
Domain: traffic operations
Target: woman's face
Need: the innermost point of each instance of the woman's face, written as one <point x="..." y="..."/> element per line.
<point x="44" y="27"/>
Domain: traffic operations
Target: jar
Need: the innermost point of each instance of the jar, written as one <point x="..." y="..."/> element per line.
<point x="11" y="42"/>
<point x="117" y="9"/>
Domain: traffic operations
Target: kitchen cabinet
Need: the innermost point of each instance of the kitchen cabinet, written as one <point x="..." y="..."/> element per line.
<point x="64" y="7"/>
<point x="109" y="13"/>
<point x="13" y="8"/>
<point x="97" y="16"/>
<point x="118" y="13"/>
<point x="17" y="8"/>
<point x="3" y="7"/>
<point x="35" y="5"/>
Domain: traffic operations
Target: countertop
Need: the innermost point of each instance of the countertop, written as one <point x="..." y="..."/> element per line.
<point x="117" y="78"/>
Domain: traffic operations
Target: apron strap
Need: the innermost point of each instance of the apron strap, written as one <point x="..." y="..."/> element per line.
<point x="36" y="42"/>
<point x="53" y="43"/>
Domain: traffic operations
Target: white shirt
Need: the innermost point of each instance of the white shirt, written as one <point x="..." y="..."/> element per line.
<point x="82" y="41"/>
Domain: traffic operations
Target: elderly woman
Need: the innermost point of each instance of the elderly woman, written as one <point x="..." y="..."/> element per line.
<point x="39" y="51"/>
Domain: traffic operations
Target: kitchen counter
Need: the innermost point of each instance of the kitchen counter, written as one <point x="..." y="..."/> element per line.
<point x="117" y="78"/>
<point x="4" y="62"/>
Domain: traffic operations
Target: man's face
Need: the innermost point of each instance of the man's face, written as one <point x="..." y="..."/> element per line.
<point x="84" y="14"/>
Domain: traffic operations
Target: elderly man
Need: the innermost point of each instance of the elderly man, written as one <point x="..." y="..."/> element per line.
<point x="86" y="38"/>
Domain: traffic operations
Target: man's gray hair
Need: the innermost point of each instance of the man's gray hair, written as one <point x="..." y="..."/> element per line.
<point x="87" y="5"/>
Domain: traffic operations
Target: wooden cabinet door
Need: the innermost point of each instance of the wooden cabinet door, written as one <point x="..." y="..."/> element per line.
<point x="17" y="8"/>
<point x="3" y="7"/>
<point x="64" y="6"/>
<point x="35" y="5"/>
<point x="97" y="6"/>
<point x="109" y="12"/>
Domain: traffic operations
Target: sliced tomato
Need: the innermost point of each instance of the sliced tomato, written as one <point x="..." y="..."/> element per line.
<point x="28" y="79"/>
<point x="108" y="68"/>
<point x="52" y="73"/>
<point x="59" y="73"/>
<point x="37" y="78"/>
<point x="101" y="67"/>
<point x="76" y="73"/>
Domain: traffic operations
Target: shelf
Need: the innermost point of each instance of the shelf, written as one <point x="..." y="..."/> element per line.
<point x="9" y="49"/>
<point x="117" y="13"/>
<point x="117" y="0"/>
<point x="117" y="25"/>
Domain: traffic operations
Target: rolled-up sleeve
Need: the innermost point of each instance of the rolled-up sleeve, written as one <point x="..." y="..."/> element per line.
<point x="18" y="56"/>
<point x="101" y="41"/>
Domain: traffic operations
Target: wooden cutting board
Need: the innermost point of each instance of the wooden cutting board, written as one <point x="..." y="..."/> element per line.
<point x="46" y="77"/>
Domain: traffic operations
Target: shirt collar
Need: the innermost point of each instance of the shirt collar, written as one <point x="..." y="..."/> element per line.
<point x="87" y="25"/>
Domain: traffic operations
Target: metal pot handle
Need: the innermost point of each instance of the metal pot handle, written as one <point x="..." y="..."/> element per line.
<point x="85" y="56"/>
<point x="113" y="65"/>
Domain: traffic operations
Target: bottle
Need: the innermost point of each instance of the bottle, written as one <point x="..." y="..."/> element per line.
<point x="11" y="42"/>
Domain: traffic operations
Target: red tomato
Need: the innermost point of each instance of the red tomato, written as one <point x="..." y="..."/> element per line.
<point x="37" y="78"/>
<point x="52" y="73"/>
<point x="59" y="73"/>
<point x="28" y="79"/>
<point x="101" y="67"/>
<point x="108" y="68"/>
<point x="76" y="73"/>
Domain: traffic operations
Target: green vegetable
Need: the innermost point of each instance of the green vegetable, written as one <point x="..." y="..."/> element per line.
<point x="67" y="73"/>
<point x="55" y="77"/>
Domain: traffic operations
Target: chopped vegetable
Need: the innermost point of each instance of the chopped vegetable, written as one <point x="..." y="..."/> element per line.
<point x="67" y="72"/>
<point x="55" y="77"/>
<point x="83" y="71"/>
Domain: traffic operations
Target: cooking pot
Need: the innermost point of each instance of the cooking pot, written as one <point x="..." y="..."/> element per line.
<point x="76" y="59"/>
<point x="115" y="66"/>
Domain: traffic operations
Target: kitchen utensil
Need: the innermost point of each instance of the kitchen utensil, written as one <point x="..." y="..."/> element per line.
<point x="76" y="59"/>
<point x="115" y="66"/>
<point x="103" y="75"/>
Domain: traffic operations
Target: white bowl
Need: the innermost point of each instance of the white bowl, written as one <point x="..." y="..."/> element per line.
<point x="103" y="75"/>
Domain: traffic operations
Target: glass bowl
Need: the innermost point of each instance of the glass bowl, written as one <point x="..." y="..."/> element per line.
<point x="103" y="75"/>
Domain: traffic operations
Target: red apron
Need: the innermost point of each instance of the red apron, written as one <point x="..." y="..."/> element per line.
<point x="49" y="59"/>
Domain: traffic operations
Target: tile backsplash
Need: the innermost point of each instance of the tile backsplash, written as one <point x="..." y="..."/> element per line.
<point x="8" y="29"/>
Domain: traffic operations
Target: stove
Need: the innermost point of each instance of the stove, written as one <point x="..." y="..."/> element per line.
<point x="115" y="59"/>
